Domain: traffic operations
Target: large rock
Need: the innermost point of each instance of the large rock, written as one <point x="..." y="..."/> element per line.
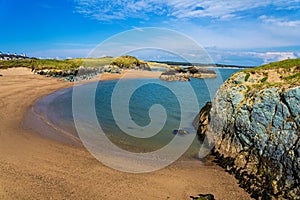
<point x="255" y="126"/>
<point x="173" y="76"/>
<point x="201" y="121"/>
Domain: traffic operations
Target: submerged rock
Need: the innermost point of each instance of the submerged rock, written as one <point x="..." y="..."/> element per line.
<point x="180" y="132"/>
<point x="255" y="127"/>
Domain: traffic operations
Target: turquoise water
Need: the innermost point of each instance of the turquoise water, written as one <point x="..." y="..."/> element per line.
<point x="57" y="109"/>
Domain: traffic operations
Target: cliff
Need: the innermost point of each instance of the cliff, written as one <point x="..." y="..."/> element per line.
<point x="254" y="125"/>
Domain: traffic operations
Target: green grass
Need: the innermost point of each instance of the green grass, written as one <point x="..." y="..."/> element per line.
<point x="291" y="77"/>
<point x="52" y="64"/>
<point x="94" y="62"/>
<point x="247" y="77"/>
<point x="40" y="64"/>
<point x="285" y="64"/>
<point x="264" y="79"/>
<point x="289" y="71"/>
<point x="126" y="62"/>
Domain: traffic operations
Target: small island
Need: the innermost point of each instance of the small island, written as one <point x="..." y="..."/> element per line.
<point x="178" y="73"/>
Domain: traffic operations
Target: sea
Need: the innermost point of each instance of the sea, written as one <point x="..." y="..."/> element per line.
<point x="136" y="115"/>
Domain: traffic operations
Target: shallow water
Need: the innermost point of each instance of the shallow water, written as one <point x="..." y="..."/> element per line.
<point x="56" y="108"/>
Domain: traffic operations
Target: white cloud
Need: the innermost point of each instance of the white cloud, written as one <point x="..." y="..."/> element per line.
<point x="276" y="56"/>
<point x="257" y="58"/>
<point x="279" y="21"/>
<point x="106" y="10"/>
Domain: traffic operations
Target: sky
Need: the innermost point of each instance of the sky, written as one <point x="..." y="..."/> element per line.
<point x="238" y="32"/>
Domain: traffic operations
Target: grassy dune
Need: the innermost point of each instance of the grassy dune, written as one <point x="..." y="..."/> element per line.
<point x="40" y="64"/>
<point x="282" y="74"/>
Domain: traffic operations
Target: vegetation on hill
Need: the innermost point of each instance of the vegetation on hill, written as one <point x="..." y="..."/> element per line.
<point x="40" y="64"/>
<point x="285" y="64"/>
<point x="127" y="62"/>
<point x="282" y="74"/>
<point x="124" y="62"/>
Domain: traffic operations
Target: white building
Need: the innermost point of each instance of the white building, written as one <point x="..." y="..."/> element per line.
<point x="15" y="56"/>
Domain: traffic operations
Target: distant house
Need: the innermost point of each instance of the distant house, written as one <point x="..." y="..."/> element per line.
<point x="5" y="56"/>
<point x="14" y="56"/>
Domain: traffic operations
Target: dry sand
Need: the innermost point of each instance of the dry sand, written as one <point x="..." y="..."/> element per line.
<point x="34" y="167"/>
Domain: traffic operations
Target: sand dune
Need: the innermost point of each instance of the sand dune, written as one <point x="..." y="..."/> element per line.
<point x="35" y="167"/>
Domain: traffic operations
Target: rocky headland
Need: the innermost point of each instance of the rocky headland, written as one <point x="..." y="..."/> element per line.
<point x="253" y="124"/>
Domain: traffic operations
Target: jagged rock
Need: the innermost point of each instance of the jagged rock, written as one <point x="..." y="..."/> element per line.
<point x="201" y="121"/>
<point x="256" y="131"/>
<point x="111" y="69"/>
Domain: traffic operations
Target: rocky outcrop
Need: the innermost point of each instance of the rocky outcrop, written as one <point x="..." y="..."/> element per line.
<point x="255" y="127"/>
<point x="85" y="73"/>
<point x="203" y="73"/>
<point x="143" y="66"/>
<point x="184" y="74"/>
<point x="72" y="75"/>
<point x="173" y="76"/>
<point x="203" y="197"/>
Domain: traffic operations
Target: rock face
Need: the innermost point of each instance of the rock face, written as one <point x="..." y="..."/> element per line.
<point x="255" y="127"/>
<point x="201" y="121"/>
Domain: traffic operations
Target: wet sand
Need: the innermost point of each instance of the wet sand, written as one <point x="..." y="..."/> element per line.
<point x="36" y="167"/>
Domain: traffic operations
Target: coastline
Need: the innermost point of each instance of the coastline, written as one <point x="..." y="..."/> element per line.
<point x="37" y="122"/>
<point x="35" y="167"/>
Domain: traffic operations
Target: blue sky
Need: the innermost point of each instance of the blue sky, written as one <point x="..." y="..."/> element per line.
<point x="240" y="32"/>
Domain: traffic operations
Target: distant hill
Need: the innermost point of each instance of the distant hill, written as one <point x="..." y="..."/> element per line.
<point x="201" y="64"/>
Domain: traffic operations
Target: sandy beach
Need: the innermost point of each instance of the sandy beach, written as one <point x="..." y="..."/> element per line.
<point x="36" y="167"/>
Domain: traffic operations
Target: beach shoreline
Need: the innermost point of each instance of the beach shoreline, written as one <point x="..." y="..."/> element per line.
<point x="41" y="125"/>
<point x="35" y="167"/>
